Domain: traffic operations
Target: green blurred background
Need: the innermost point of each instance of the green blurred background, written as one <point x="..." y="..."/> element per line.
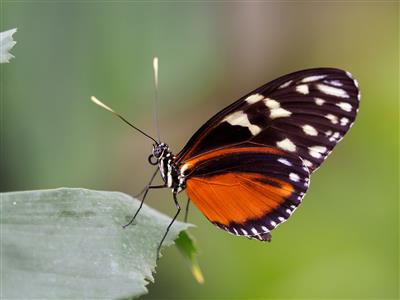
<point x="342" y="242"/>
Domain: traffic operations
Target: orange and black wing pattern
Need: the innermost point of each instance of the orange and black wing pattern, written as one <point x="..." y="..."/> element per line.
<point x="246" y="190"/>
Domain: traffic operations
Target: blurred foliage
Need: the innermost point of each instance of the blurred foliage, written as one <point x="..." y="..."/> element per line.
<point x="188" y="248"/>
<point x="342" y="242"/>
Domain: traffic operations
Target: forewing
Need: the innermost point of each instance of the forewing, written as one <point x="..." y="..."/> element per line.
<point x="246" y="190"/>
<point x="306" y="113"/>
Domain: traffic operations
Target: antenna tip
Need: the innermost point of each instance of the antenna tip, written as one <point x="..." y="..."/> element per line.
<point x="155" y="68"/>
<point x="101" y="104"/>
<point x="155" y="65"/>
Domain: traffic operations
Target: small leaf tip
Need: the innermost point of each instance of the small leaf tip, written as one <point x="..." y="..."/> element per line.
<point x="6" y="44"/>
<point x="197" y="274"/>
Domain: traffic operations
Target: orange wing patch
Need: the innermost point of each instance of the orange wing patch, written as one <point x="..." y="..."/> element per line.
<point x="237" y="197"/>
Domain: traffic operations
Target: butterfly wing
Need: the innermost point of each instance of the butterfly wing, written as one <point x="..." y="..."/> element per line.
<point x="248" y="189"/>
<point x="306" y="113"/>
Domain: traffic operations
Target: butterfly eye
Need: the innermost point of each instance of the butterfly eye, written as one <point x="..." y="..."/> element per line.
<point x="157" y="152"/>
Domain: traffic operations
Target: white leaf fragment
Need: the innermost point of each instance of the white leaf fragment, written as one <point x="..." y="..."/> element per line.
<point x="6" y="44"/>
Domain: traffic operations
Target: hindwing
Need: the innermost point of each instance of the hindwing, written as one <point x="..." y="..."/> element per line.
<point x="247" y="189"/>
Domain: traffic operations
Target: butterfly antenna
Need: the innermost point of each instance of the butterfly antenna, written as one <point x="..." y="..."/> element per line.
<point x="155" y="69"/>
<point x="101" y="104"/>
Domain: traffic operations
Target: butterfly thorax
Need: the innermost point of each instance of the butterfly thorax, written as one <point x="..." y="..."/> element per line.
<point x="166" y="164"/>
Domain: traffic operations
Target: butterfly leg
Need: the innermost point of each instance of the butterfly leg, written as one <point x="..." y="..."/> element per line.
<point x="170" y="224"/>
<point x="187" y="210"/>
<point x="145" y="187"/>
<point x="148" y="187"/>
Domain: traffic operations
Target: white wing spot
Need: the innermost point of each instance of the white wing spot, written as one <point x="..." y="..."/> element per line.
<point x="307" y="163"/>
<point x="234" y="229"/>
<point x="334" y="91"/>
<point x="279" y="113"/>
<point x="254" y="98"/>
<point x="254" y="230"/>
<point x="313" y="78"/>
<point x="328" y="133"/>
<point x="334" y="82"/>
<point x="315" y="154"/>
<point x="303" y="89"/>
<point x="286" y="144"/>
<point x="344" y="121"/>
<point x="321" y="149"/>
<point x="294" y="177"/>
<point x="345" y="106"/>
<point x="349" y="74"/>
<point x="265" y="229"/>
<point x="355" y="83"/>
<point x="286" y="84"/>
<point x="271" y="103"/>
<point x="319" y="101"/>
<point x="273" y="223"/>
<point x="335" y="137"/>
<point x="333" y="118"/>
<point x="244" y="231"/>
<point x="281" y="219"/>
<point x="285" y="161"/>
<point x="240" y="118"/>
<point x="309" y="130"/>
<point x="317" y="151"/>
<point x="275" y="109"/>
<point x="289" y="211"/>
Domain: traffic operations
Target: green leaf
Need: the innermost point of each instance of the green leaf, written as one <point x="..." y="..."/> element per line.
<point x="69" y="243"/>
<point x="187" y="246"/>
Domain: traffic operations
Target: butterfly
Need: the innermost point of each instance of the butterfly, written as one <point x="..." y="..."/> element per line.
<point x="248" y="168"/>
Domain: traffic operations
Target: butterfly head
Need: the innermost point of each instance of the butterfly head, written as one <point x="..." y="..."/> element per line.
<point x="159" y="152"/>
